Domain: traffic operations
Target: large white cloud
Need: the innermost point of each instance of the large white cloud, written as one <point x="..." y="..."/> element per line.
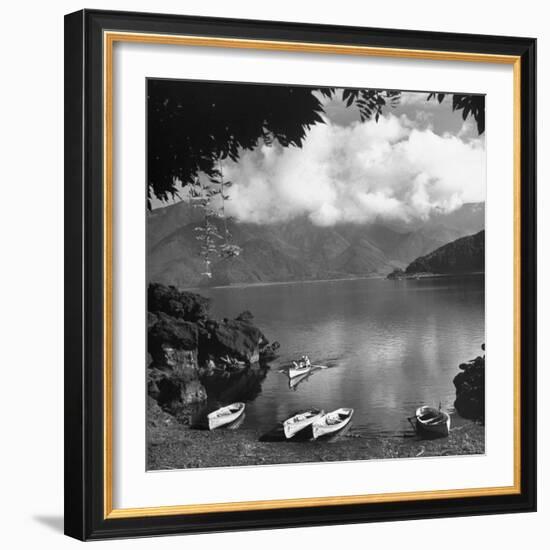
<point x="387" y="169"/>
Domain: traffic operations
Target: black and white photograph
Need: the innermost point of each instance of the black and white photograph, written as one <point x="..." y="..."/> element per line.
<point x="315" y="271"/>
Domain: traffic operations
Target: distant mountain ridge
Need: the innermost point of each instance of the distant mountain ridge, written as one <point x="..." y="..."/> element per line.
<point x="465" y="255"/>
<point x="296" y="249"/>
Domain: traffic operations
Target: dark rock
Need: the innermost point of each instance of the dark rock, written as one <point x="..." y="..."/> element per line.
<point x="269" y="352"/>
<point x="175" y="384"/>
<point x="185" y="306"/>
<point x="189" y="353"/>
<point x="470" y="389"/>
<point x="173" y="372"/>
<point x="245" y="316"/>
<point x="175" y="392"/>
<point x="166" y="330"/>
<point x="179" y="361"/>
<point x="240" y="340"/>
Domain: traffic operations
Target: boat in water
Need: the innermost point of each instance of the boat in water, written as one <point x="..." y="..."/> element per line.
<point x="301" y="420"/>
<point x="432" y="422"/>
<point x="232" y="364"/>
<point x="225" y="415"/>
<point x="331" y="423"/>
<point x="299" y="368"/>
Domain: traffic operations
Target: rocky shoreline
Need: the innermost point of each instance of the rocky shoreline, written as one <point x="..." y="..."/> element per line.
<point x="192" y="356"/>
<point x="470" y="389"/>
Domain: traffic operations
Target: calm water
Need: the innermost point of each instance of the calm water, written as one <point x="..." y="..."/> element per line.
<point x="391" y="345"/>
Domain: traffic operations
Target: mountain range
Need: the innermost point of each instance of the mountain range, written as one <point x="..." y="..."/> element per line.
<point x="296" y="249"/>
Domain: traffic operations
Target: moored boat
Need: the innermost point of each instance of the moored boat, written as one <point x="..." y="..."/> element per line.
<point x="331" y="422"/>
<point x="232" y="363"/>
<point x="432" y="422"/>
<point x="301" y="420"/>
<point x="225" y="415"/>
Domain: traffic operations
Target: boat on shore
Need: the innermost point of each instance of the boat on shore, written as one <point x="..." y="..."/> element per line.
<point x="331" y="423"/>
<point x="225" y="415"/>
<point x="235" y="424"/>
<point x="432" y="422"/>
<point x="301" y="420"/>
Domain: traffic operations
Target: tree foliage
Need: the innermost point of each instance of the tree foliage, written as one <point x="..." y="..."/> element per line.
<point x="371" y="103"/>
<point x="186" y="306"/>
<point x="191" y="127"/>
<point x="473" y="105"/>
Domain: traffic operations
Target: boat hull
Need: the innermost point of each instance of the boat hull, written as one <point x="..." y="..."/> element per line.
<point x="294" y="425"/>
<point x="225" y="416"/>
<point x="325" y="427"/>
<point x="293" y="372"/>
<point x="432" y="423"/>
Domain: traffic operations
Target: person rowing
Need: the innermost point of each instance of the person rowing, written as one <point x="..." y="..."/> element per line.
<point x="300" y="367"/>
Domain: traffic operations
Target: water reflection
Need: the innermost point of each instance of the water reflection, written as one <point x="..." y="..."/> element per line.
<point x="245" y="386"/>
<point x="293" y="383"/>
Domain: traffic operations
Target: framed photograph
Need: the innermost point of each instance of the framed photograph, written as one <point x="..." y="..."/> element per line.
<point x="300" y="274"/>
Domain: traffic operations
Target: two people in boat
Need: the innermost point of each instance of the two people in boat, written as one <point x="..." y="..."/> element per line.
<point x="303" y="363"/>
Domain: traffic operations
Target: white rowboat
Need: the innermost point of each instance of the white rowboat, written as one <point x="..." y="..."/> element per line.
<point x="301" y="420"/>
<point x="331" y="422"/>
<point x="225" y="415"/>
<point x="298" y="370"/>
<point x="432" y="422"/>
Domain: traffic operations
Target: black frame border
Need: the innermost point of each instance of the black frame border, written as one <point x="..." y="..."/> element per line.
<point x="84" y="256"/>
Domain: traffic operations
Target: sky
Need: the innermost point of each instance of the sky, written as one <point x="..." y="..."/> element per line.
<point x="420" y="157"/>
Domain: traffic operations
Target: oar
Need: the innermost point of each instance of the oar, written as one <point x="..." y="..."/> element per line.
<point x="410" y="419"/>
<point x="320" y="366"/>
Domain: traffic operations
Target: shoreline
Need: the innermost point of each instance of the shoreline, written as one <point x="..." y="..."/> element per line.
<point x="180" y="447"/>
<point x="277" y="283"/>
<point x="339" y="279"/>
<point x="426" y="275"/>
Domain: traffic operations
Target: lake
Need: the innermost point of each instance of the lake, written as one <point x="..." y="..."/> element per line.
<point x="390" y="345"/>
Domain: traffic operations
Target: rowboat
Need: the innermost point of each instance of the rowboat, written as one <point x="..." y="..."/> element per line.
<point x="225" y="415"/>
<point x="232" y="363"/>
<point x="300" y="420"/>
<point x="298" y="369"/>
<point x="432" y="422"/>
<point x="331" y="422"/>
<point x="236" y="423"/>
